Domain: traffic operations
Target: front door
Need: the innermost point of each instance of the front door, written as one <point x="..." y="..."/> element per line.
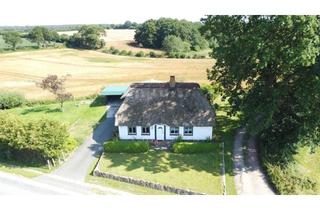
<point x="160" y="132"/>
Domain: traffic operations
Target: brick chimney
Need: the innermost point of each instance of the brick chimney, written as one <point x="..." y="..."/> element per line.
<point x="172" y="82"/>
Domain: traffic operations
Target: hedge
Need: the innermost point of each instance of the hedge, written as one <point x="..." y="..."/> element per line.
<point x="193" y="147"/>
<point x="126" y="146"/>
<point x="33" y="141"/>
<point x="11" y="100"/>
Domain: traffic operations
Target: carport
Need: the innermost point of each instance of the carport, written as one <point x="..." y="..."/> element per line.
<point x="113" y="92"/>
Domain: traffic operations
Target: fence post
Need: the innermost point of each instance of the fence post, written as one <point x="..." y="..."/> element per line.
<point x="49" y="165"/>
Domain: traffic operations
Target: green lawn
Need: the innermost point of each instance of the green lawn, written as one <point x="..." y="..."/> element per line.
<point x="80" y="116"/>
<point x="197" y="172"/>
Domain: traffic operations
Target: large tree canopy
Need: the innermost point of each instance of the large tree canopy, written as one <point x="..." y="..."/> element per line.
<point x="12" y="38"/>
<point x="266" y="67"/>
<point x="152" y="33"/>
<point x="88" y="37"/>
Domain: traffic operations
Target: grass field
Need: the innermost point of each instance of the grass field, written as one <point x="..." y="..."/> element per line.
<point x="90" y="70"/>
<point x="198" y="172"/>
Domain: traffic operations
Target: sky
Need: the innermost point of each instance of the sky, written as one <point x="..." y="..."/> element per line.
<point x="57" y="12"/>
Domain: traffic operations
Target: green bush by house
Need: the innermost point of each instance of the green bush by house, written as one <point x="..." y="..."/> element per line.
<point x="11" y="100"/>
<point x="33" y="141"/>
<point x="193" y="147"/>
<point x="126" y="146"/>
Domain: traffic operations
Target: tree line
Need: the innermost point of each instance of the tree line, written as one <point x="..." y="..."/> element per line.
<point x="72" y="27"/>
<point x="172" y="35"/>
<point x="88" y="37"/>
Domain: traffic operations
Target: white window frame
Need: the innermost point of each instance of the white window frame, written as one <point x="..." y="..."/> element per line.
<point x="188" y="130"/>
<point x="145" y="133"/>
<point x="134" y="128"/>
<point x="174" y="129"/>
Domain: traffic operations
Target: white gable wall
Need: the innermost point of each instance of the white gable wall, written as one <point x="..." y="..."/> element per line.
<point x="199" y="133"/>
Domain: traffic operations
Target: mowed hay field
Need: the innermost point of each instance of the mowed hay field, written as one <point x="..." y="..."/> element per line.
<point x="89" y="71"/>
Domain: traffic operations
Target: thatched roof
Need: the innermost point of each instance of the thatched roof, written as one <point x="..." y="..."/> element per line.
<point x="146" y="104"/>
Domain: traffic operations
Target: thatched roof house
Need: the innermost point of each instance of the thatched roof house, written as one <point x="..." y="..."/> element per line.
<point x="165" y="107"/>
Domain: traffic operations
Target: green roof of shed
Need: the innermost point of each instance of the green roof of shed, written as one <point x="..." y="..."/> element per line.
<point x="114" y="90"/>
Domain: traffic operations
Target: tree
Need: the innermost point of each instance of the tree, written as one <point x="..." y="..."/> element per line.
<point x="56" y="86"/>
<point x="146" y="34"/>
<point x="12" y="38"/>
<point x="37" y="35"/>
<point x="173" y="44"/>
<point x="88" y="37"/>
<point x="266" y="68"/>
<point x="43" y="36"/>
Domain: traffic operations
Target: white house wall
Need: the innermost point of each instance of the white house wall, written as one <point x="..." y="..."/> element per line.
<point x="199" y="133"/>
<point x="123" y="133"/>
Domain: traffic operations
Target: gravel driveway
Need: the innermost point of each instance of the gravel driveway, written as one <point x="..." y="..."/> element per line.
<point x="249" y="178"/>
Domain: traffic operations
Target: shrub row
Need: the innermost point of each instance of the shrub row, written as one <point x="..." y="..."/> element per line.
<point x="11" y="100"/>
<point x="115" y="51"/>
<point x="152" y="54"/>
<point x="126" y="146"/>
<point x="193" y="147"/>
<point x="33" y="141"/>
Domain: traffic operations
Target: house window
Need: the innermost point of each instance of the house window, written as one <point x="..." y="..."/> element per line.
<point x="188" y="131"/>
<point x="145" y="131"/>
<point x="174" y="131"/>
<point x="132" y="130"/>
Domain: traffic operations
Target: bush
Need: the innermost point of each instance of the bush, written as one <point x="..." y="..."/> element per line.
<point x="140" y="54"/>
<point x="126" y="146"/>
<point x="175" y="44"/>
<point x="11" y="100"/>
<point x="130" y="53"/>
<point x="177" y="55"/>
<point x="182" y="55"/>
<point x="193" y="147"/>
<point x="171" y="55"/>
<point x="33" y="141"/>
<point x="123" y="52"/>
<point x="115" y="52"/>
<point x="152" y="54"/>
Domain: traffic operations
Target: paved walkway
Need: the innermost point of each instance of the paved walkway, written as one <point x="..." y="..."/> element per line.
<point x="249" y="179"/>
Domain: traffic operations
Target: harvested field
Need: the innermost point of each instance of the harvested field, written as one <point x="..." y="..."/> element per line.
<point x="90" y="70"/>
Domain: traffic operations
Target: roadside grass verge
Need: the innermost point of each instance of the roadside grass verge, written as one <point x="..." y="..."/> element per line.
<point x="23" y="170"/>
